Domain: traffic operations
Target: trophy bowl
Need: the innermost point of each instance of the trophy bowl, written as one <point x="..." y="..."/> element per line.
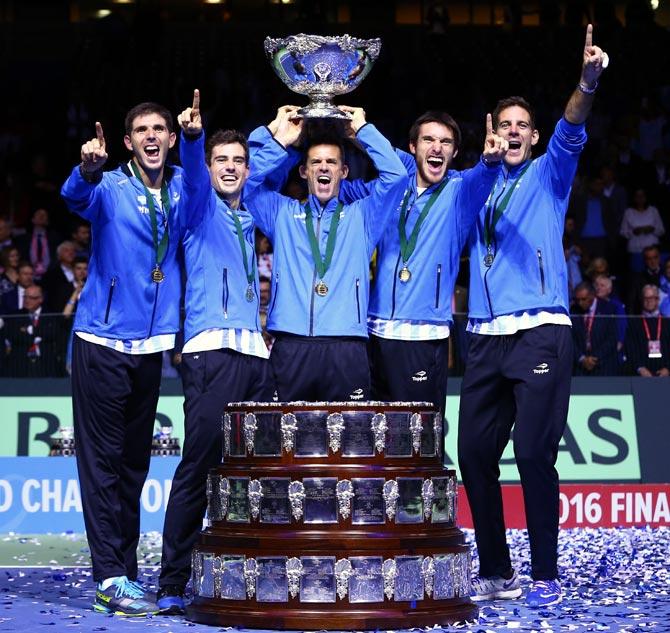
<point x="321" y="67"/>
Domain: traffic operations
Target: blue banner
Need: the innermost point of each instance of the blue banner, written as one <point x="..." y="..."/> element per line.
<point x="41" y="495"/>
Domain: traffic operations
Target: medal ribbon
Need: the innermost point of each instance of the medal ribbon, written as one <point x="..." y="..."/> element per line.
<point x="243" y="247"/>
<point x="495" y="211"/>
<point x="407" y="246"/>
<point x="162" y="246"/>
<point x="322" y="265"/>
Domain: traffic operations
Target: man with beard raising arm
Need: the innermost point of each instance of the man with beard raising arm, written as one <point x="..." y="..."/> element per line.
<point x="418" y="258"/>
<point x="520" y="355"/>
<point x="322" y="250"/>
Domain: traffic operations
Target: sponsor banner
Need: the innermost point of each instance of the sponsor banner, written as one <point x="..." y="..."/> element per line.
<point x="41" y="494"/>
<point x="589" y="506"/>
<point x="29" y="423"/>
<point x="599" y="442"/>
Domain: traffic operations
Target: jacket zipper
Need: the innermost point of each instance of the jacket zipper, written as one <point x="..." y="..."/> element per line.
<point x="539" y="260"/>
<point x="109" y="299"/>
<point x="153" y="312"/>
<point x="358" y="301"/>
<point x="437" y="286"/>
<point x="274" y="294"/>
<point x="312" y="293"/>
<point x="395" y="280"/>
<point x="224" y="298"/>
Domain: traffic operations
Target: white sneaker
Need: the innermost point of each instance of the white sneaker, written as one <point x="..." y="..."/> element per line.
<point x="495" y="587"/>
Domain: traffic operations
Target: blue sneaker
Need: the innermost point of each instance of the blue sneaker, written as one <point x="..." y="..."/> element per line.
<point x="170" y="600"/>
<point x="544" y="593"/>
<point x="123" y="597"/>
<point x="495" y="587"/>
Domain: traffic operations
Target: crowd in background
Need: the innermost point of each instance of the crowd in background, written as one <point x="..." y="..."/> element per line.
<point x="617" y="230"/>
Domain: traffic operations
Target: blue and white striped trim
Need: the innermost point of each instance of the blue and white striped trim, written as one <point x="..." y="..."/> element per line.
<point x="240" y="340"/>
<point x="512" y="323"/>
<point x="158" y="343"/>
<point x="407" y="330"/>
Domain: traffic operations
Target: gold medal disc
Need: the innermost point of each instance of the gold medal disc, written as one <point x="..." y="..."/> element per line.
<point x="321" y="289"/>
<point x="157" y="275"/>
<point x="404" y="275"/>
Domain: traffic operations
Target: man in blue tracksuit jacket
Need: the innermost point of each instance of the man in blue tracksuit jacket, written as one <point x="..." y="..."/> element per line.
<point x="520" y="355"/>
<point x="224" y="358"/>
<point x="409" y="316"/>
<point x="322" y="250"/>
<point x="128" y="314"/>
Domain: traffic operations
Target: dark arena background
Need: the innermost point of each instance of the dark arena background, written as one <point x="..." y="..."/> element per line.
<point x="66" y="65"/>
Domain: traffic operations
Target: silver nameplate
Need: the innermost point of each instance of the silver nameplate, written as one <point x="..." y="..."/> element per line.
<point x="320" y="504"/>
<point x="410" y="501"/>
<point x="317" y="583"/>
<point x="366" y="583"/>
<point x="311" y="438"/>
<point x="368" y="503"/>
<point x="409" y="579"/>
<point x="398" y="437"/>
<point x="272" y="581"/>
<point x="275" y="504"/>
<point x="268" y="438"/>
<point x="238" y="500"/>
<point x="358" y="438"/>
<point x="232" y="578"/>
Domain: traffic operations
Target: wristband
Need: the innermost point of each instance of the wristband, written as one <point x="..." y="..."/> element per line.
<point x="584" y="87"/>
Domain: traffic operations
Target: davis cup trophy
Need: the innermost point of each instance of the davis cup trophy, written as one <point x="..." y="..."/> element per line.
<point x="322" y="67"/>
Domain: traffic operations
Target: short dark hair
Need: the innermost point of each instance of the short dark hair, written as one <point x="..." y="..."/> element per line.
<point x="148" y="107"/>
<point x="225" y="137"/>
<point x="435" y="116"/>
<point x="510" y="102"/>
<point x="324" y="139"/>
<point x="79" y="260"/>
<point x="585" y="285"/>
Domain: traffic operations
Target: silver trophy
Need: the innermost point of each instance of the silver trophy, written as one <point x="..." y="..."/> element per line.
<point x="322" y="67"/>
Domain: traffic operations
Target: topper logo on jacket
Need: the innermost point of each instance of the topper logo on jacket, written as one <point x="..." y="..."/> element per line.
<point x="420" y="376"/>
<point x="542" y="368"/>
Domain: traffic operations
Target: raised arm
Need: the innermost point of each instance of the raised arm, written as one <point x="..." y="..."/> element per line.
<point x="594" y="62"/>
<point x="387" y="190"/>
<point x="197" y="182"/>
<point x="259" y="196"/>
<point x="80" y="190"/>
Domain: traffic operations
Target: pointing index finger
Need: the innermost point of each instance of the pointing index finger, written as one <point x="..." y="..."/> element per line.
<point x="196" y="99"/>
<point x="589" y="36"/>
<point x="99" y="133"/>
<point x="489" y="124"/>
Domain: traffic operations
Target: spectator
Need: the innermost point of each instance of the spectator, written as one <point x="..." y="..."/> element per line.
<point x="650" y="274"/>
<point x="595" y="218"/>
<point x="9" y="263"/>
<point x="603" y="287"/>
<point x="11" y="302"/>
<point x="37" y="341"/>
<point x="641" y="226"/>
<point x="81" y="238"/>
<point x="39" y="245"/>
<point x="648" y="338"/>
<point x="594" y="334"/>
<point x="264" y="253"/>
<point x="80" y="270"/>
<point x="58" y="282"/>
<point x="6" y="239"/>
<point x="614" y="191"/>
<point x="573" y="254"/>
<point x="664" y="280"/>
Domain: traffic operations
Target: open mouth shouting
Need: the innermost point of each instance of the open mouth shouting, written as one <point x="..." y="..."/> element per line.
<point x="152" y="153"/>
<point x="515" y="147"/>
<point x="323" y="183"/>
<point x="435" y="165"/>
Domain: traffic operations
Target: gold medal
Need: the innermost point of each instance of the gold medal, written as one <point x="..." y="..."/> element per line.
<point x="157" y="275"/>
<point x="404" y="275"/>
<point x="321" y="289"/>
<point x="488" y="260"/>
<point x="249" y="294"/>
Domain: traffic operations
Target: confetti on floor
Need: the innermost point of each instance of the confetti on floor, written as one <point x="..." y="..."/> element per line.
<point x="614" y="580"/>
